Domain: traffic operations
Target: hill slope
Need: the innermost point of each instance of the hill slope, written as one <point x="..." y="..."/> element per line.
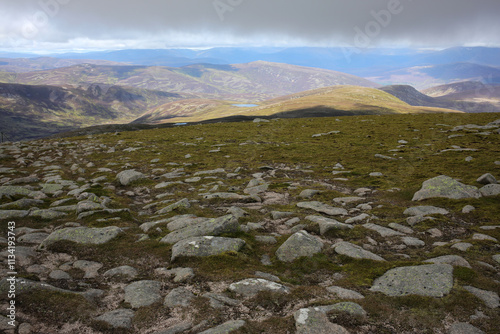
<point x="465" y="96"/>
<point x="329" y="101"/>
<point x="28" y="111"/>
<point x="251" y="82"/>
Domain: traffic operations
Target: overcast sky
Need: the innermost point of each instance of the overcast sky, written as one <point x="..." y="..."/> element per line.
<point x="62" y="25"/>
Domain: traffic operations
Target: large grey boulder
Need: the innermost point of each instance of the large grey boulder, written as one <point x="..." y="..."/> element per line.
<point x="47" y="214"/>
<point x="256" y="186"/>
<point x="142" y="293"/>
<point x="354" y="251"/>
<point x="315" y="321"/>
<point x="323" y="208"/>
<point x="124" y="271"/>
<point x="252" y="286"/>
<point x="11" y="214"/>
<point x="121" y="318"/>
<point x="433" y="280"/>
<point x="383" y="231"/>
<point x="206" y="246"/>
<point x="211" y="227"/>
<point x="128" y="176"/>
<point x="298" y="245"/>
<point x="490" y="190"/>
<point x="445" y="187"/>
<point x="83" y="235"/>
<point x="343" y="293"/>
<point x="226" y="327"/>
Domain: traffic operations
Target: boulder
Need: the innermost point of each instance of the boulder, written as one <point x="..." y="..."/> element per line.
<point x="433" y="280"/>
<point x="327" y="224"/>
<point x="463" y="328"/>
<point x="354" y="251"/>
<point x="178" y="297"/>
<point x="128" y="176"/>
<point x="315" y="321"/>
<point x="487" y="179"/>
<point x="323" y="208"/>
<point x="206" y="246"/>
<point x="490" y="298"/>
<point x="490" y="190"/>
<point x="298" y="245"/>
<point x="211" y="227"/>
<point x="445" y="187"/>
<point x="425" y="210"/>
<point x="121" y="318"/>
<point x="142" y="293"/>
<point x="227" y="327"/>
<point x="83" y="235"/>
<point x="252" y="286"/>
<point x="454" y="260"/>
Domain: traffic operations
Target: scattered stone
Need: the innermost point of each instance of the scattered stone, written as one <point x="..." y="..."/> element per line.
<point x="211" y="227"/>
<point x="483" y="237"/>
<point x="219" y="301"/>
<point x="124" y="271"/>
<point x="59" y="275"/>
<point x="490" y="298"/>
<point x="384" y="157"/>
<point x="256" y="186"/>
<point x="425" y="210"/>
<point x="490" y="190"/>
<point x="497" y="258"/>
<point x="348" y="200"/>
<point x="358" y="219"/>
<point x="468" y="209"/>
<point x="182" y="204"/>
<point x="344" y="293"/>
<point x="308" y="193"/>
<point x="252" y="286"/>
<point x="354" y="251"/>
<point x="206" y="246"/>
<point x="463" y="328"/>
<point x="178" y="297"/>
<point x="229" y="326"/>
<point x="323" y="208"/>
<point x="434" y="280"/>
<point x="11" y="214"/>
<point x="328" y="224"/>
<point x="121" y="318"/>
<point x="298" y="245"/>
<point x="33" y="238"/>
<point x="180" y="274"/>
<point x="142" y="293"/>
<point x="401" y="228"/>
<point x="462" y="246"/>
<point x="376" y="174"/>
<point x="454" y="260"/>
<point x="383" y="231"/>
<point x="128" y="176"/>
<point x="413" y="242"/>
<point x="280" y="215"/>
<point x="487" y="179"/>
<point x="83" y="235"/>
<point x="315" y="321"/>
<point x="445" y="187"/>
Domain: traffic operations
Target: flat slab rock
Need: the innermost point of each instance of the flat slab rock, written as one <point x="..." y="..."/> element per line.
<point x="251" y="286"/>
<point x="490" y="298"/>
<point x="83" y="235"/>
<point x="206" y="246"/>
<point x="226" y="327"/>
<point x="434" y="280"/>
<point x="445" y="187"/>
<point x="463" y="328"/>
<point x="298" y="245"/>
<point x="323" y="208"/>
<point x="121" y="318"/>
<point x="354" y="251"/>
<point x="425" y="210"/>
<point x="211" y="227"/>
<point x="142" y="293"/>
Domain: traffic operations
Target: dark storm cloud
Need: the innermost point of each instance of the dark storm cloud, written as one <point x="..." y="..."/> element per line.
<point x="202" y="22"/>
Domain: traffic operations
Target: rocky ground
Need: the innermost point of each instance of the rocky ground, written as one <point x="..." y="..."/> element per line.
<point x="353" y="225"/>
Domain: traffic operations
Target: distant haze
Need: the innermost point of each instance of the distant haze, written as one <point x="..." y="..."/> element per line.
<point x="67" y="25"/>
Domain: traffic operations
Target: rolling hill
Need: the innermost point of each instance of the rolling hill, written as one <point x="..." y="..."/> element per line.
<point x="28" y="111"/>
<point x="329" y="101"/>
<point x="252" y="82"/>
<point x="23" y="65"/>
<point x="471" y="97"/>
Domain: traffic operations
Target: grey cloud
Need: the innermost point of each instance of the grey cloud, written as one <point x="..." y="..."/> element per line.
<point x="417" y="22"/>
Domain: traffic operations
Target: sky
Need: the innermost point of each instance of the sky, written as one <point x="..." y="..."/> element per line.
<point x="85" y="25"/>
